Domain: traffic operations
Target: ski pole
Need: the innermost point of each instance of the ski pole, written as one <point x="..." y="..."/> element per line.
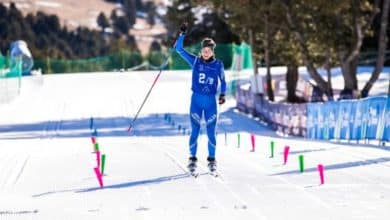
<point x="150" y="90"/>
<point x="219" y="124"/>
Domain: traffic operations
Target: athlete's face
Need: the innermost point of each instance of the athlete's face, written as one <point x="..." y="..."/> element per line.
<point x="206" y="53"/>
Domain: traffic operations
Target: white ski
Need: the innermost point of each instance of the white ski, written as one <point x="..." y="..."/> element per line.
<point x="214" y="173"/>
<point x="194" y="174"/>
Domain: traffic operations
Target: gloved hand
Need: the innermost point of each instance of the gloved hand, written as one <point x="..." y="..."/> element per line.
<point x="221" y="99"/>
<point x="183" y="28"/>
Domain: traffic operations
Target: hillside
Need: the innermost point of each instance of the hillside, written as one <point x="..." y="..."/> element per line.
<point x="72" y="13"/>
<point x="75" y="13"/>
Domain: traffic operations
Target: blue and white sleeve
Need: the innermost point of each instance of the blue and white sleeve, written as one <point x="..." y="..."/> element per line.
<point x="190" y="58"/>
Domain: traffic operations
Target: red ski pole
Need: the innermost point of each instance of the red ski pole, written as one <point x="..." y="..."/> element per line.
<point x="150" y="90"/>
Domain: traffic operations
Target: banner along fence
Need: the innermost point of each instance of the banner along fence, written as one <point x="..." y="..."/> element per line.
<point x="360" y="119"/>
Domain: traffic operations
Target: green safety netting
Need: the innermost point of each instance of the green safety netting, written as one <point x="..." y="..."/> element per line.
<point x="128" y="60"/>
<point x="225" y="52"/>
<point x="10" y="68"/>
<point x="10" y="78"/>
<point x="120" y="60"/>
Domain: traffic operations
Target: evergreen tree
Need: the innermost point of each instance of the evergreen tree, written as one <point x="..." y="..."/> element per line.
<point x="130" y="11"/>
<point x="121" y="24"/>
<point x="46" y="37"/>
<point x="151" y="12"/>
<point x="102" y="21"/>
<point x="180" y="11"/>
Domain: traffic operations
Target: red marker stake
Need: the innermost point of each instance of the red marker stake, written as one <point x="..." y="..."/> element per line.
<point x="99" y="176"/>
<point x="93" y="139"/>
<point x="253" y="142"/>
<point x="321" y="172"/>
<point x="285" y="154"/>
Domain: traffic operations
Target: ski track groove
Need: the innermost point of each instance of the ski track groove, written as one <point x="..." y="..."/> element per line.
<point x="11" y="166"/>
<point x="21" y="170"/>
<point x="4" y="169"/>
<point x="254" y="165"/>
<point x="227" y="188"/>
<point x="236" y="196"/>
<point x="363" y="166"/>
<point x="208" y="192"/>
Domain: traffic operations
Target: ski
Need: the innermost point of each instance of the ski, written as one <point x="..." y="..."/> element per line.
<point x="214" y="173"/>
<point x="194" y="174"/>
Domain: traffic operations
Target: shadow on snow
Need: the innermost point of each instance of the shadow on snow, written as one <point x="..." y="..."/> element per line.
<point x="339" y="166"/>
<point x="150" y="125"/>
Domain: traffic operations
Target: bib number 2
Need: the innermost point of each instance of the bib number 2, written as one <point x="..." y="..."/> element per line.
<point x="202" y="78"/>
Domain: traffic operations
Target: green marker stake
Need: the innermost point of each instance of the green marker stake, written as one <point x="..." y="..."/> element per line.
<point x="103" y="162"/>
<point x="96" y="147"/>
<point x="272" y="149"/>
<point x="238" y="140"/>
<point x="301" y="163"/>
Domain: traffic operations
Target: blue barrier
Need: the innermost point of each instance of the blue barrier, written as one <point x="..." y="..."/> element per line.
<point x="375" y="109"/>
<point x="344" y="114"/>
<point x="359" y="120"/>
<point x="331" y="111"/>
<point x="310" y="122"/>
<point x="386" y="122"/>
<point x="367" y="118"/>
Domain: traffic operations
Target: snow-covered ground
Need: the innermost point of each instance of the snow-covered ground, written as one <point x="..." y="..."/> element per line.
<point x="46" y="159"/>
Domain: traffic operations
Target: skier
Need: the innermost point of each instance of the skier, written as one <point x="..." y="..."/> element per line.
<point x="206" y="72"/>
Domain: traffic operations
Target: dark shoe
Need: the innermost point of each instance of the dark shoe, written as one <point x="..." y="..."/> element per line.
<point x="192" y="164"/>
<point x="212" y="164"/>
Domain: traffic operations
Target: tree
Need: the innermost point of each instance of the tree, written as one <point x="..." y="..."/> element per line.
<point x="151" y="13"/>
<point x="180" y="11"/>
<point x="130" y="11"/>
<point x="382" y="38"/>
<point x="46" y="38"/>
<point x="327" y="33"/>
<point x="155" y="46"/>
<point x="102" y="21"/>
<point x="351" y="22"/>
<point x="297" y="20"/>
<point x="252" y="19"/>
<point x="121" y="24"/>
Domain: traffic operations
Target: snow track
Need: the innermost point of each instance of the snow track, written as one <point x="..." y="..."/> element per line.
<point x="46" y="164"/>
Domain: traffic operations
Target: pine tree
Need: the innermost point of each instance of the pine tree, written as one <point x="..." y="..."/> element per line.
<point x="130" y="11"/>
<point x="102" y="21"/>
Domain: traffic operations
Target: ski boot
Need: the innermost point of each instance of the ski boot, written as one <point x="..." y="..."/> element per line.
<point x="192" y="166"/>
<point x="212" y="165"/>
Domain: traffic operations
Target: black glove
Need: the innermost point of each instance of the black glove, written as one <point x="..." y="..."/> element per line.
<point x="221" y="99"/>
<point x="183" y="28"/>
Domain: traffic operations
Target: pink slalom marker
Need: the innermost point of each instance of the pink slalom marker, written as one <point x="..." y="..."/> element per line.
<point x="99" y="176"/>
<point x="285" y="154"/>
<point x="98" y="158"/>
<point x="93" y="139"/>
<point x="321" y="172"/>
<point x="253" y="142"/>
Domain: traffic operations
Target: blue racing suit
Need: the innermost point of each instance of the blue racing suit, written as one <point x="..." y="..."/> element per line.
<point x="205" y="77"/>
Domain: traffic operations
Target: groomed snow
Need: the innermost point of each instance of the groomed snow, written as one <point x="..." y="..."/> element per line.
<point x="46" y="159"/>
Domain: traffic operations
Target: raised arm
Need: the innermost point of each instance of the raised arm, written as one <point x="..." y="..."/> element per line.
<point x="190" y="58"/>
